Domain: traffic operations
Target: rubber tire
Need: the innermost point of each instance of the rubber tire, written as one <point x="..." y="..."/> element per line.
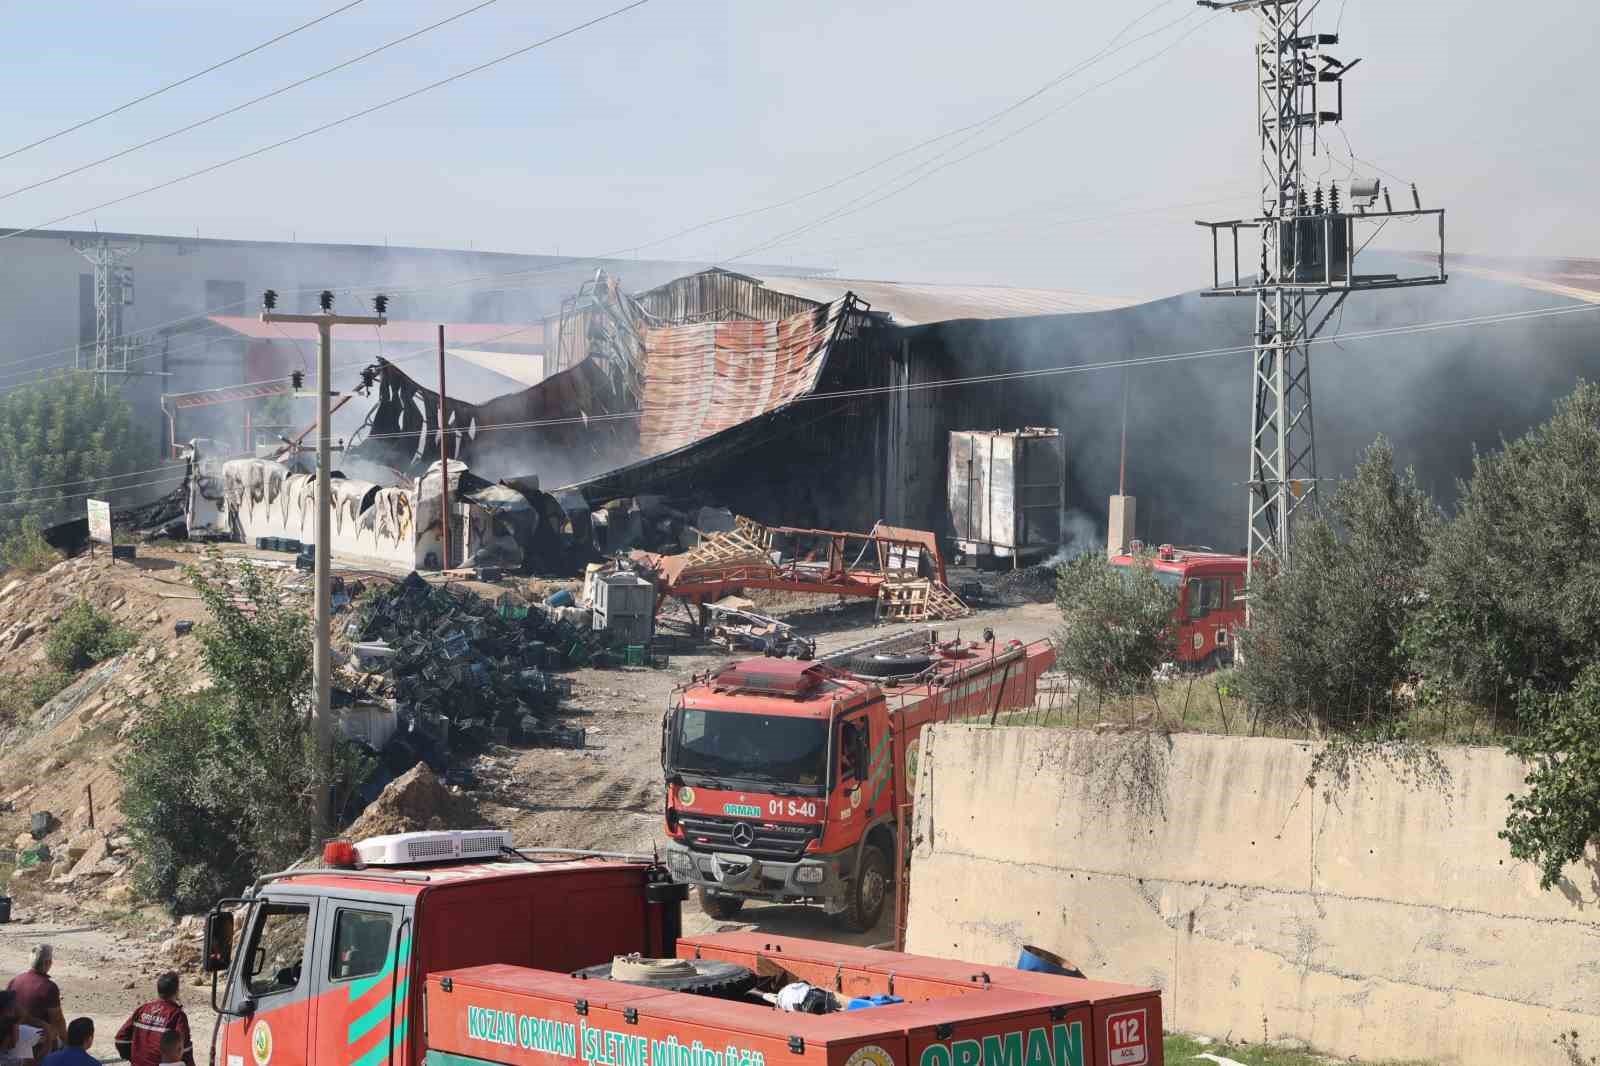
<point x="716" y="905"/>
<point x="889" y="665"/>
<point x="711" y="978"/>
<point x="872" y="877"/>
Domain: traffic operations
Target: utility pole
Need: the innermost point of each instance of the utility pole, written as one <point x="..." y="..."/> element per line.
<point x="113" y="290"/>
<point x="1308" y="243"/>
<point x="322" y="577"/>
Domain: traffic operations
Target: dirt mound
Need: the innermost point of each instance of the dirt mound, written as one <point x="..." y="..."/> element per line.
<point x="415" y="800"/>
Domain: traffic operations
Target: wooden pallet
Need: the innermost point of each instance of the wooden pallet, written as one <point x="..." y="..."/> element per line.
<point x="918" y="600"/>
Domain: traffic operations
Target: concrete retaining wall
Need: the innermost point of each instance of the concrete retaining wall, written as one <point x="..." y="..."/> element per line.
<point x="1381" y="919"/>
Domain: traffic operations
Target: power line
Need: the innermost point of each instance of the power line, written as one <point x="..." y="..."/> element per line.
<point x="352" y="61"/>
<point x="181" y="81"/>
<point x="1105" y="52"/>
<point x="856" y="205"/>
<point x="324" y="127"/>
<point x="175" y="476"/>
<point x="1499" y="318"/>
<point x="87" y="480"/>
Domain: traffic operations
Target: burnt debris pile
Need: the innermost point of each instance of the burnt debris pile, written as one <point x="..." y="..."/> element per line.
<point x="1030" y="584"/>
<point x="463" y="672"/>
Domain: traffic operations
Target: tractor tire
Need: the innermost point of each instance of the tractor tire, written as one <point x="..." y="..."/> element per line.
<point x="869" y="890"/>
<point x="724" y="980"/>
<point x="716" y="905"/>
<point x="889" y="665"/>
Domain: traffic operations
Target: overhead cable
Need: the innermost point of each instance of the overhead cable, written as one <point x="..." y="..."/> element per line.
<point x="234" y="110"/>
<point x="286" y="34"/>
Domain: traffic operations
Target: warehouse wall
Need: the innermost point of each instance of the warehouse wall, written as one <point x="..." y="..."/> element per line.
<point x="1383" y="919"/>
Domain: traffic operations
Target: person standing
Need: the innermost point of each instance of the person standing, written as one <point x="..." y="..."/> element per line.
<point x="139" y="1039"/>
<point x="80" y="1036"/>
<point x="39" y="998"/>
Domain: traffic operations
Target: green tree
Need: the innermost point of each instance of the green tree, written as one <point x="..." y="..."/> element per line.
<point x="1325" y="645"/>
<point x="1513" y="587"/>
<point x="219" y="786"/>
<point x="1116" y="626"/>
<point x="1553" y="823"/>
<point x="57" y="431"/>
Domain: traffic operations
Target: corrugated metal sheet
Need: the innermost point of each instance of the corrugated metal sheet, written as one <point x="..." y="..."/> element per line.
<point x="718" y="295"/>
<point x="702" y="379"/>
<point x="909" y="304"/>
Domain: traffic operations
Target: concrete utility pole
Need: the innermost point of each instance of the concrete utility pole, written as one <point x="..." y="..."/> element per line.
<point x="1308" y="247"/>
<point x="322" y="660"/>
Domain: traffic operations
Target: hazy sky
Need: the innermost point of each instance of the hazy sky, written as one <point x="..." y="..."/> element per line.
<point x="686" y="110"/>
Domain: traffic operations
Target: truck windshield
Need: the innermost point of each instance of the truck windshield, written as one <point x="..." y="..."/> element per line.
<point x="1166" y="578"/>
<point x="752" y="747"/>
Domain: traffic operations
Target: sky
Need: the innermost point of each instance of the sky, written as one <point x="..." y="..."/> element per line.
<point x="614" y="139"/>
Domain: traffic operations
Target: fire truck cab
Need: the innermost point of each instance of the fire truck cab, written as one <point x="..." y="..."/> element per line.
<point x="785" y="779"/>
<point x="454" y="949"/>
<point x="1210" y="587"/>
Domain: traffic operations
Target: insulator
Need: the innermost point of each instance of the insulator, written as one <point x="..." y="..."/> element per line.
<point x="1333" y="199"/>
<point x="1316" y="199"/>
<point x="297" y="379"/>
<point x="269" y="299"/>
<point x="326" y="300"/>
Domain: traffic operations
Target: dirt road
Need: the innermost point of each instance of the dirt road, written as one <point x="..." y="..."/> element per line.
<point x="610" y="795"/>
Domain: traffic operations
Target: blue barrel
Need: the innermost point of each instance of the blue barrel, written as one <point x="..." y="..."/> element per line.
<point x="560" y="598"/>
<point x="1038" y="960"/>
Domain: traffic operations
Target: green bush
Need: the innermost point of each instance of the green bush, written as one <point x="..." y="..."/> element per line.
<point x="1554" y="822"/>
<point x="26" y="549"/>
<point x="1513" y="585"/>
<point x="58" y="439"/>
<point x="219" y="786"/>
<point x="1325" y="645"/>
<point x="44" y="685"/>
<point x="1116" y="623"/>
<point x="84" y="636"/>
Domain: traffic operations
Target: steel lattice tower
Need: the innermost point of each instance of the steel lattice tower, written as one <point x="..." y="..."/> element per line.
<point x="113" y="289"/>
<point x="1306" y="268"/>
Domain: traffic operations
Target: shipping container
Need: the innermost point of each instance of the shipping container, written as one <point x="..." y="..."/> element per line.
<point x="1006" y="491"/>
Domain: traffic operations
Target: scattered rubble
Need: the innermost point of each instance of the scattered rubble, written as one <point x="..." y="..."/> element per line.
<point x="1031" y="584"/>
<point x="454" y="667"/>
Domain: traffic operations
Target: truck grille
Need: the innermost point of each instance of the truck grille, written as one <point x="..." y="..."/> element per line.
<point x="782" y="843"/>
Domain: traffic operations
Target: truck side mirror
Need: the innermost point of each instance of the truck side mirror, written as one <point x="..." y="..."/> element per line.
<point x="219" y="942"/>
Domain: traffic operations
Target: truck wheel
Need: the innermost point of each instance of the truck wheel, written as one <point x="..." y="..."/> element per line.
<point x="700" y="977"/>
<point x="716" y="905"/>
<point x="889" y="665"/>
<point x="869" y="890"/>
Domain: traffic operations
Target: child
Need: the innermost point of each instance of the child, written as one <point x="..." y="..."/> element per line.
<point x="171" y="1048"/>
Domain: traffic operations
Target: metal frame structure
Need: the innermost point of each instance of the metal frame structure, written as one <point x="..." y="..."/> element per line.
<point x="1307" y="265"/>
<point x="113" y="290"/>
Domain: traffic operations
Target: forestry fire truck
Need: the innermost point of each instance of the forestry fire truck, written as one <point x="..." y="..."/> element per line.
<point x="450" y="949"/>
<point x="786" y="779"/>
<point x="1210" y="589"/>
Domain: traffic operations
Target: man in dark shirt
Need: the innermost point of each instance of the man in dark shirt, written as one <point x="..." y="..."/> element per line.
<point x="139" y="1039"/>
<point x="38" y="998"/>
<point x="80" y="1035"/>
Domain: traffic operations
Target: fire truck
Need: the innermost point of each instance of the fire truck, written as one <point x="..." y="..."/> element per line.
<point x="1210" y="589"/>
<point x="786" y="780"/>
<point x="451" y="949"/>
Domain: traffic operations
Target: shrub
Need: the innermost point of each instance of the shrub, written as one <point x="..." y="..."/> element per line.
<point x="26" y="549"/>
<point x="1116" y="623"/>
<point x="84" y="636"/>
<point x="1553" y="823"/>
<point x="1513" y="586"/>
<point x="1325" y="644"/>
<point x="219" y="785"/>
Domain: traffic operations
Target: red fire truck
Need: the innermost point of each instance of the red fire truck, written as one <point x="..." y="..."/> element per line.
<point x="785" y="778"/>
<point x="451" y="949"/>
<point x="1210" y="589"/>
